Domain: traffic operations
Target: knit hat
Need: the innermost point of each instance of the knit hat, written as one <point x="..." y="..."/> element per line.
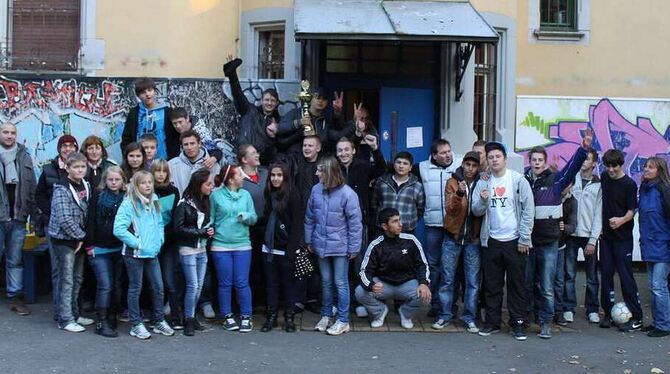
<point x="67" y="139"/>
<point x="492" y="146"/>
<point x="472" y="155"/>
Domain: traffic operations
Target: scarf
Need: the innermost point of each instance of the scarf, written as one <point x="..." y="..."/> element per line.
<point x="271" y="227"/>
<point x="8" y="157"/>
<point x="152" y="121"/>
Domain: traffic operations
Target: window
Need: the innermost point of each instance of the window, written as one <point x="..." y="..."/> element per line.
<point x="558" y="14"/>
<point x="43" y="35"/>
<point x="485" y="91"/>
<point x="271" y="54"/>
<point x="380" y="58"/>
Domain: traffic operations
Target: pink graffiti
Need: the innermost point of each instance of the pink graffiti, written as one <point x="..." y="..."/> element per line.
<point x="638" y="140"/>
<point x="102" y="99"/>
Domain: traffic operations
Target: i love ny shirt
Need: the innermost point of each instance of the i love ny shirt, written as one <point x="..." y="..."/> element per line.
<point x="503" y="225"/>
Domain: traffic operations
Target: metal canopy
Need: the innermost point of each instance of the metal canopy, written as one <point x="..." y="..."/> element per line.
<point x="449" y="20"/>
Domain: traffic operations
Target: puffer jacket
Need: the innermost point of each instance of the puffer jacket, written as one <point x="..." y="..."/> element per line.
<point x="333" y="222"/>
<point x="654" y="218"/>
<point x="434" y="178"/>
<point x="459" y="221"/>
<point x="141" y="230"/>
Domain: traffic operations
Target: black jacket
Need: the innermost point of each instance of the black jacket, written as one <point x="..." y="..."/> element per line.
<point x="51" y="174"/>
<point x="94" y="176"/>
<point x="100" y="219"/>
<point x="394" y="261"/>
<point x="187" y="232"/>
<point x="290" y="236"/>
<point x="359" y="174"/>
<point x="329" y="130"/>
<point x="130" y="132"/>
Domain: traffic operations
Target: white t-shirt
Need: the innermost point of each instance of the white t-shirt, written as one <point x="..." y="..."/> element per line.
<point x="503" y="225"/>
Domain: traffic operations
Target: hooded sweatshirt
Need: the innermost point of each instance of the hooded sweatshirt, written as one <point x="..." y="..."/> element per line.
<point x="181" y="169"/>
<point x="231" y="234"/>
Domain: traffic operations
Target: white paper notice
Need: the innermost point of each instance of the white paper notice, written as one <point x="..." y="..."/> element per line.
<point x="414" y="137"/>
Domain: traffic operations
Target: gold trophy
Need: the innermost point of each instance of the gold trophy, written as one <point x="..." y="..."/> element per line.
<point x="305" y="98"/>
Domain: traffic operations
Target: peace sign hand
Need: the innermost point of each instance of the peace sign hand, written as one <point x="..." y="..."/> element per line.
<point x="337" y="103"/>
<point x="587" y="140"/>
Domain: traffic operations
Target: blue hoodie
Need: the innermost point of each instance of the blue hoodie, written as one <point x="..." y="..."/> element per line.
<point x="141" y="231"/>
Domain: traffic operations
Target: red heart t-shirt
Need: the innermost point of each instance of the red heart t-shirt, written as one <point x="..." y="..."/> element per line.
<point x="503" y="224"/>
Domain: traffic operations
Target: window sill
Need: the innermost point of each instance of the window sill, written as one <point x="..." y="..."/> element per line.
<point x="29" y="73"/>
<point x="558" y="35"/>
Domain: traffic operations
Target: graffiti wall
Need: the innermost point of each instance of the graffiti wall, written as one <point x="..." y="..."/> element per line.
<point x="44" y="109"/>
<point x="639" y="128"/>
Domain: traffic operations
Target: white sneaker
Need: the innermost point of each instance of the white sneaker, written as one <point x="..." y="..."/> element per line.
<point x="140" y="332"/>
<point x="85" y="321"/>
<point x="361" y="312"/>
<point x="406" y="323"/>
<point x="322" y="325"/>
<point x="338" y="328"/>
<point x="594" y="317"/>
<point x="472" y="328"/>
<point x="379" y="321"/>
<point x="74" y="327"/>
<point x="208" y="311"/>
<point x="163" y="328"/>
<point x="569" y="317"/>
<point x="334" y="310"/>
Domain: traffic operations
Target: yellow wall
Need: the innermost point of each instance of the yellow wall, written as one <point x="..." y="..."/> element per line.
<point x="255" y="4"/>
<point x="182" y="39"/>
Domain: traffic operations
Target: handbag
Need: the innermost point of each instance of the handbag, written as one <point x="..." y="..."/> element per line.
<point x="303" y="265"/>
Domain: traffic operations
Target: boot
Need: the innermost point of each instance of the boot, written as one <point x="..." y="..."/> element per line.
<point x="289" y="324"/>
<point x="270" y="320"/>
<point x="111" y="320"/>
<point x="17" y="306"/>
<point x="197" y="325"/>
<point x="102" y="325"/>
<point x="189" y="328"/>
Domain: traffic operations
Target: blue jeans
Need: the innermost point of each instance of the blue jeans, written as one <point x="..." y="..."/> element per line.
<point x="660" y="296"/>
<point x="194" y="271"/>
<point x="12" y="236"/>
<point x="150" y="268"/>
<point x="107" y="268"/>
<point x="54" y="275"/>
<point x="433" y="252"/>
<point x="334" y="277"/>
<point x="173" y="278"/>
<point x="539" y="284"/>
<point x="232" y="270"/>
<point x="451" y="251"/>
<point x="559" y="282"/>
<point x="71" y="275"/>
<point x="573" y="244"/>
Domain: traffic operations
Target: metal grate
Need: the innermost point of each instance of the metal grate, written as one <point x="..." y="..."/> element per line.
<point x="43" y="35"/>
<point x="486" y="91"/>
<point x="558" y="14"/>
<point x="271" y="54"/>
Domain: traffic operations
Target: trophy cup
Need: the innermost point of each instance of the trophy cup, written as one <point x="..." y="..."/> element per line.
<point x="305" y="98"/>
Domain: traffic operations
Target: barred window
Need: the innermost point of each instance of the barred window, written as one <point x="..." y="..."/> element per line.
<point x="485" y="91"/>
<point x="271" y="54"/>
<point x="558" y="14"/>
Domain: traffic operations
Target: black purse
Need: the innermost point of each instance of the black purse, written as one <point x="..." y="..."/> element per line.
<point x="303" y="265"/>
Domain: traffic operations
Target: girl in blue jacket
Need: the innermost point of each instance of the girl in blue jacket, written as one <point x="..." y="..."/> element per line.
<point x="139" y="225"/>
<point x="654" y="218"/>
<point x="333" y="230"/>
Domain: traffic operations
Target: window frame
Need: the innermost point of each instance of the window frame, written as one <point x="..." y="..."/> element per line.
<point x="258" y="30"/>
<point x="571" y="20"/>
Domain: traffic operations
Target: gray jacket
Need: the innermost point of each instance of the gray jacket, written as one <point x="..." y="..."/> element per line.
<point x="525" y="208"/>
<point x="181" y="169"/>
<point x="24" y="203"/>
<point x="589" y="199"/>
<point x="257" y="191"/>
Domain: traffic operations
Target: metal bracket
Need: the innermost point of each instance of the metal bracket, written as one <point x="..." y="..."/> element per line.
<point x="463" y="53"/>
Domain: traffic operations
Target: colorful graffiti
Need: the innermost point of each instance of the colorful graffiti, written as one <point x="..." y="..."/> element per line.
<point x="639" y="128"/>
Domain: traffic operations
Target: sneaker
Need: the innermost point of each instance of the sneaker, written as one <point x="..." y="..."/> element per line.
<point x="594" y="317"/>
<point x="198" y="326"/>
<point x="162" y="327"/>
<point x="334" y="310"/>
<point x="17" y="306"/>
<point x="74" y="327"/>
<point x="439" y="324"/>
<point x="545" y="331"/>
<point x="569" y="317"/>
<point x="405" y="322"/>
<point x="229" y="323"/>
<point x="338" y="328"/>
<point x="176" y="323"/>
<point x="472" y="327"/>
<point x="560" y="320"/>
<point x="208" y="311"/>
<point x="379" y="321"/>
<point x="123" y="316"/>
<point x="631" y="326"/>
<point x="605" y="323"/>
<point x="488" y="330"/>
<point x="656" y="333"/>
<point x="322" y="325"/>
<point x="361" y="312"/>
<point x="245" y="324"/>
<point x="85" y="321"/>
<point x="140" y="332"/>
<point x="519" y="332"/>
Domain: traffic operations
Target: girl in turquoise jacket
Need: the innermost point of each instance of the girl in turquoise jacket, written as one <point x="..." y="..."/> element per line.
<point x="139" y="225"/>
<point x="232" y="213"/>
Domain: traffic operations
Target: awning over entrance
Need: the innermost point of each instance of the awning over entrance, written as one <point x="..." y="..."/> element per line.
<point x="451" y="20"/>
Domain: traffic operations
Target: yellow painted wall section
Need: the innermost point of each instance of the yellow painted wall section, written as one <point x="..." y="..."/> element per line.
<point x="176" y="39"/>
<point x="255" y="4"/>
<point x="626" y="57"/>
<point x="505" y="7"/>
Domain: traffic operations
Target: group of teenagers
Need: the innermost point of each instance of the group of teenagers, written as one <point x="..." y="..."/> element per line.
<point x="176" y="216"/>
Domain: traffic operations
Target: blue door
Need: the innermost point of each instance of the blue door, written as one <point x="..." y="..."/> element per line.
<point x="407" y="123"/>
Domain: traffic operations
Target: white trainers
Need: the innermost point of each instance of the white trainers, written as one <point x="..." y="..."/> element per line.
<point x="74" y="327"/>
<point x="163" y="328"/>
<point x="85" y="321"/>
<point x="472" y="328"/>
<point x="439" y="324"/>
<point x="594" y="317"/>
<point x="361" y="312"/>
<point x="569" y="317"/>
<point x="322" y="325"/>
<point x="140" y="332"/>
<point x="379" y="321"/>
<point x="208" y="311"/>
<point x="334" y="309"/>
<point x="338" y="328"/>
<point x="406" y="323"/>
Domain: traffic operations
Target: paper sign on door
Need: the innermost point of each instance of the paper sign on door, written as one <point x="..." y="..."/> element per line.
<point x="415" y="137"/>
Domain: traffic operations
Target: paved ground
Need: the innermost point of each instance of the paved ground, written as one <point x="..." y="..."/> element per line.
<point x="34" y="345"/>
